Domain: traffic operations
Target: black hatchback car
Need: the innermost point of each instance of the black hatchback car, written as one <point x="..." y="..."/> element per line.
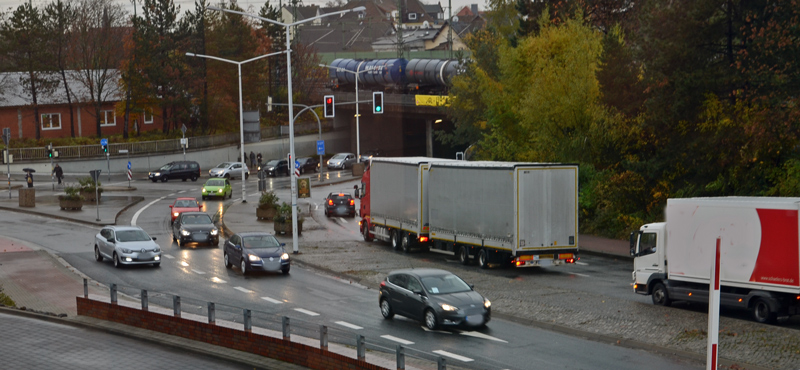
<point x="195" y="227"/>
<point x="340" y="204"/>
<point x="256" y="251"/>
<point x="276" y="167"/>
<point x="435" y="297"/>
<point x="308" y="164"/>
<point x="184" y="170"/>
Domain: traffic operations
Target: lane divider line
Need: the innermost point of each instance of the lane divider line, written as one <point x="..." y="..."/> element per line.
<point x="584" y="275"/>
<point x="245" y="290"/>
<point x="307" y="312"/>
<point x="349" y="325"/>
<point x="136" y="215"/>
<point x="581" y="263"/>
<point x="218" y="280"/>
<point x="453" y="355"/>
<point x="398" y="340"/>
<point x="198" y="272"/>
<point x="270" y="300"/>
<point x="169" y="256"/>
<point x="482" y="336"/>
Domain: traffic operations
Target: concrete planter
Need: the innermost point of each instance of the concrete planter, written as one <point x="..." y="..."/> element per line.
<point x="267" y="214"/>
<point x="69" y="204"/>
<point x="286" y="227"/>
<point x="89" y="196"/>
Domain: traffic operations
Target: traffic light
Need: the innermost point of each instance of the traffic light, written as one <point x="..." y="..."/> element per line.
<point x="377" y="102"/>
<point x="49" y="150"/>
<point x="329" y="108"/>
<point x="105" y="148"/>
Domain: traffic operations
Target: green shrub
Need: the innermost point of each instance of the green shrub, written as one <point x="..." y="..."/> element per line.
<point x="73" y="192"/>
<point x="268" y="200"/>
<point x="87" y="184"/>
<point x="6" y="300"/>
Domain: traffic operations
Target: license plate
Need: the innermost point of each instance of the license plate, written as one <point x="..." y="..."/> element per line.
<point x="474" y="319"/>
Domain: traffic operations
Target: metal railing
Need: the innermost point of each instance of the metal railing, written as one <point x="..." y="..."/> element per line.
<point x="250" y="320"/>
<point x="159" y="146"/>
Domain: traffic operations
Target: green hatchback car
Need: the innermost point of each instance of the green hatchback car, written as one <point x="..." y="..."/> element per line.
<point x="217" y="188"/>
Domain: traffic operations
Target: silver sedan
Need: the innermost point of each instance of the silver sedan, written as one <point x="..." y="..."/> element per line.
<point x="126" y="245"/>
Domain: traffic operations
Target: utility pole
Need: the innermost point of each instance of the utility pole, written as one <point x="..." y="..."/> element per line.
<point x="450" y="26"/>
<point x="399" y="28"/>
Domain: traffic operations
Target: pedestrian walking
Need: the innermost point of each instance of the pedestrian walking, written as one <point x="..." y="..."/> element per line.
<point x="252" y="159"/>
<point x="258" y="157"/>
<point x="59" y="172"/>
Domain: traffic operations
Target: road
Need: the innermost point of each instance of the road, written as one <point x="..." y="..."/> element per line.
<point x="312" y="297"/>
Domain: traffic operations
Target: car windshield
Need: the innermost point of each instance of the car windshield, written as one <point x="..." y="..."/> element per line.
<point x="261" y="241"/>
<point x="215" y="183"/>
<point x="223" y="165"/>
<point x="196" y="219"/>
<point x="444" y="284"/>
<point x="186" y="203"/>
<point x="132" y="236"/>
<point x="339" y="156"/>
<point x="273" y="162"/>
<point x="166" y="167"/>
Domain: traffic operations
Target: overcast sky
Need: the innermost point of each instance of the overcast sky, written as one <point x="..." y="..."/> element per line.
<point x="256" y="4"/>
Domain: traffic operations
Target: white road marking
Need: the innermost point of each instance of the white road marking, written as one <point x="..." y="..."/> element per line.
<point x="245" y="290"/>
<point x="349" y="325"/>
<point x="218" y="280"/>
<point x="182" y="191"/>
<point x="398" y="340"/>
<point x="169" y="256"/>
<point x="436" y="331"/>
<point x="136" y="215"/>
<point x="198" y="272"/>
<point x="307" y="312"/>
<point x="268" y="299"/>
<point x="342" y="219"/>
<point x="237" y="199"/>
<point x="581" y="263"/>
<point x="584" y="275"/>
<point x="453" y="355"/>
<point x="482" y="336"/>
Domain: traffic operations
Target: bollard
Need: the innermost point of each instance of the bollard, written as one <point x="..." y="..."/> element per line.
<point x="113" y="293"/>
<point x="145" y="303"/>
<point x="176" y="306"/>
<point x="286" y="334"/>
<point x="401" y="357"/>
<point x="323" y="337"/>
<point x="360" y="350"/>
<point x="85" y="288"/>
<point x="442" y="363"/>
<point x="248" y="325"/>
<point x="211" y="313"/>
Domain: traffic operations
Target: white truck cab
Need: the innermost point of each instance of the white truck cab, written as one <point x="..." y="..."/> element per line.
<point x="648" y="249"/>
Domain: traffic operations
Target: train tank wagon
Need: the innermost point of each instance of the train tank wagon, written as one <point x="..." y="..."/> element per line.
<point x="430" y="74"/>
<point x="382" y="74"/>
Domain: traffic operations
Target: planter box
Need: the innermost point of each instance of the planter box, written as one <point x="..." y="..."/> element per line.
<point x="267" y="214"/>
<point x="89" y="195"/>
<point x="70" y="204"/>
<point x="286" y="228"/>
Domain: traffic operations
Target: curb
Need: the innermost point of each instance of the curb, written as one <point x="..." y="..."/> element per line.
<point x="136" y="200"/>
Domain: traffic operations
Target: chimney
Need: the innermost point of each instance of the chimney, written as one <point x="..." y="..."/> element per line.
<point x="474" y="8"/>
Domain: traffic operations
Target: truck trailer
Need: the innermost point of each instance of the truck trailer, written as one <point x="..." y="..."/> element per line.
<point x="759" y="254"/>
<point x="525" y="214"/>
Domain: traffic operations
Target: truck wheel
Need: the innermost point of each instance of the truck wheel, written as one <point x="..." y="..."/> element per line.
<point x="483" y="259"/>
<point x="405" y="243"/>
<point x="463" y="255"/>
<point x="395" y="242"/>
<point x="762" y="313"/>
<point x="660" y="295"/>
<point x="365" y="232"/>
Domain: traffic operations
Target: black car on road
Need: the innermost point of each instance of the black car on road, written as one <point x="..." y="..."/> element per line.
<point x="256" y="251"/>
<point x="184" y="170"/>
<point x="308" y="164"/>
<point x="340" y="204"/>
<point x="276" y="167"/>
<point x="195" y="227"/>
<point x="436" y="297"/>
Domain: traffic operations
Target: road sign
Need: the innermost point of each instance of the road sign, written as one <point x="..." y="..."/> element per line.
<point x="122" y="151"/>
<point x="296" y="168"/>
<point x="129" y="174"/>
<point x="129" y="165"/>
<point x="103" y="141"/>
<point x="320" y="147"/>
<point x="183" y="129"/>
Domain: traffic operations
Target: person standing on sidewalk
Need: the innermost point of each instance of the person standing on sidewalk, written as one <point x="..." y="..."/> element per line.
<point x="59" y="172"/>
<point x="252" y="159"/>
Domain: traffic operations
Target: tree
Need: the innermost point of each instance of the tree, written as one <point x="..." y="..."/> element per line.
<point x="193" y="27"/>
<point x="58" y="18"/>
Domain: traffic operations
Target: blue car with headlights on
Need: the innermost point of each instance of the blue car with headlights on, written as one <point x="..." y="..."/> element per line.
<point x="256" y="251"/>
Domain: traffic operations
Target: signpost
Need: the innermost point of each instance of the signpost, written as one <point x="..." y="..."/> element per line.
<point x="96" y="178"/>
<point x="320" y="153"/>
<point x="104" y="144"/>
<point x="184" y="142"/>
<point x="7" y="141"/>
<point x="129" y="165"/>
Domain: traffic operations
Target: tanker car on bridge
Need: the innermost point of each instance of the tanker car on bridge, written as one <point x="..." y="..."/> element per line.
<point x="427" y="76"/>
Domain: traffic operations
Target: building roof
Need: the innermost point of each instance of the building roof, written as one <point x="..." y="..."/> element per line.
<point x="12" y="93"/>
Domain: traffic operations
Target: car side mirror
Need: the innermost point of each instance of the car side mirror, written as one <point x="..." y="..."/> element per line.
<point x="472" y="286"/>
<point x="154" y="238"/>
<point x="170" y="206"/>
<point x="110" y="240"/>
<point x="283" y="244"/>
<point x="418" y="292"/>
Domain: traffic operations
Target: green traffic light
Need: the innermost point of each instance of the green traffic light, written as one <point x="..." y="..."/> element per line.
<point x="378" y="109"/>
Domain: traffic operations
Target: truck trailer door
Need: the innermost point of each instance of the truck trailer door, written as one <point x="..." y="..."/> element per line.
<point x="547" y="206"/>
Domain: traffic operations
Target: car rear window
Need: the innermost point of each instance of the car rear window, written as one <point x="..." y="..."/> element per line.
<point x="341" y="196"/>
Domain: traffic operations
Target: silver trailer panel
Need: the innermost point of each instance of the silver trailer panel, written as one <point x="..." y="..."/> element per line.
<point x="547" y="204"/>
<point x="396" y="192"/>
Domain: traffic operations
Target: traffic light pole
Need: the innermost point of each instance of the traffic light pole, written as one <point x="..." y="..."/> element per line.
<point x="108" y="162"/>
<point x="50" y="154"/>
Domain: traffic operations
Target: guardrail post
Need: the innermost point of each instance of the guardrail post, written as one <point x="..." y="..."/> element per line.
<point x="248" y="324"/>
<point x="360" y="347"/>
<point x="401" y="357"/>
<point x="442" y="363"/>
<point x="144" y="301"/>
<point x="286" y="334"/>
<point x="85" y="288"/>
<point x="113" y="293"/>
<point x="176" y="306"/>
<point x="211" y="313"/>
<point x="323" y="337"/>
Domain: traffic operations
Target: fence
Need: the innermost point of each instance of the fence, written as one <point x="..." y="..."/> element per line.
<point x="160" y="146"/>
<point x="222" y="324"/>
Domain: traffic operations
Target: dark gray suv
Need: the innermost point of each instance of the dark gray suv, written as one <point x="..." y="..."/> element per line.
<point x="184" y="170"/>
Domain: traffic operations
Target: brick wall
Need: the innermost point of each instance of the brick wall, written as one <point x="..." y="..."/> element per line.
<point x="287" y="351"/>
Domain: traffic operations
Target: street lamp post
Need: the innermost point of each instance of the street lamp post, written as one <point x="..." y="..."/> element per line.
<point x="289" y="88"/>
<point x="358" y="131"/>
<point x="241" y="112"/>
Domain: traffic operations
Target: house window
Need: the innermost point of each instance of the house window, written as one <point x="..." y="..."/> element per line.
<point x="439" y="15"/>
<point x="361" y="15"/>
<point x="148" y="116"/>
<point x="107" y="118"/>
<point x="51" y="121"/>
<point x="412" y="16"/>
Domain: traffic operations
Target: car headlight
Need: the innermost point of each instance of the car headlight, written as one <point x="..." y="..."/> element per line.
<point x="186" y="232"/>
<point x="448" y="307"/>
<point x="285" y="257"/>
<point x="157" y="174"/>
<point x="158" y="249"/>
<point x="204" y="190"/>
<point x="487" y="303"/>
<point x="214" y="231"/>
<point x="271" y="169"/>
<point x="253" y="258"/>
<point x="125" y="250"/>
<point x="176" y="214"/>
<point x="219" y="191"/>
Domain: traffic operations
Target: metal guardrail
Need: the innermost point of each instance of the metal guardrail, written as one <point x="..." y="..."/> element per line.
<point x="159" y="146"/>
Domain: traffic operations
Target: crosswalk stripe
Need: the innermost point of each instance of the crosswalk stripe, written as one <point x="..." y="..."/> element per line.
<point x="268" y="299"/>
<point x="307" y="312"/>
<point x="169" y="256"/>
<point x="245" y="290"/>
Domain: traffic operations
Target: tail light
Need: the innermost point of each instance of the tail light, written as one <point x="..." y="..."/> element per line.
<point x="330" y="202"/>
<point x="518" y="262"/>
<point x="352" y="202"/>
<point x="570" y="260"/>
<point x="383" y="283"/>
<point x="341" y="194"/>
<point x="423" y="239"/>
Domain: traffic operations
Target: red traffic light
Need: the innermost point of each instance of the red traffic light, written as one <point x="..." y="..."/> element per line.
<point x="329" y="100"/>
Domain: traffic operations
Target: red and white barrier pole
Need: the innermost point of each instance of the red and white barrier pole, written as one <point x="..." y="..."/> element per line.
<point x="713" y="314"/>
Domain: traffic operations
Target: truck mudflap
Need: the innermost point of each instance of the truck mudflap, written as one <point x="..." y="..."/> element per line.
<point x="538" y="260"/>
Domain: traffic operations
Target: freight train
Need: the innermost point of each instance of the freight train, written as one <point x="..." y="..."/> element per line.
<point x="419" y="76"/>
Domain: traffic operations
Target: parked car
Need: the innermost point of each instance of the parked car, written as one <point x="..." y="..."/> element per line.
<point x="436" y="297"/>
<point x="277" y="167"/>
<point x="308" y="164"/>
<point x="230" y="170"/>
<point x="183" y="170"/>
<point x="256" y="251"/>
<point x="341" y="161"/>
<point x="340" y="204"/>
<point x="217" y="188"/>
<point x="183" y="205"/>
<point x="195" y="227"/>
<point x="126" y="245"/>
